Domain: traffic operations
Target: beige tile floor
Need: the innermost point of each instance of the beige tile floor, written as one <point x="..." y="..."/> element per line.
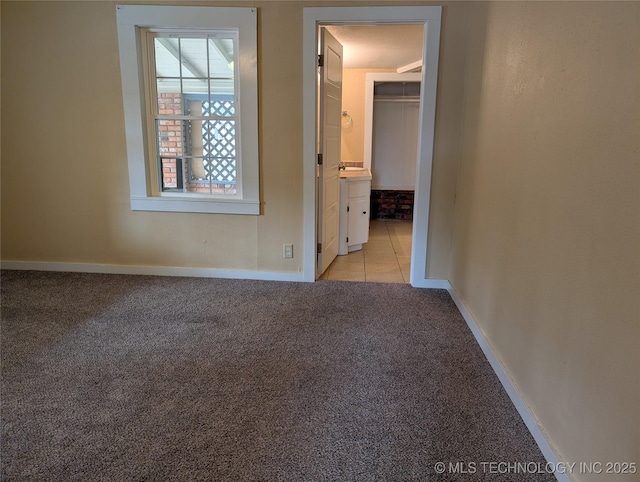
<point x="386" y="258"/>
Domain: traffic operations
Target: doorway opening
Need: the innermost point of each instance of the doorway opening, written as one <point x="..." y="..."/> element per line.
<point x="380" y="110"/>
<point x="392" y="126"/>
<point x="314" y="19"/>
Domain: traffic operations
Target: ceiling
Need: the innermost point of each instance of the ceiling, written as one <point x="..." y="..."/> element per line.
<point x="379" y="46"/>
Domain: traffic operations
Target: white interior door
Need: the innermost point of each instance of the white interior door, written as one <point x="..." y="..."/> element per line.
<point x="330" y="107"/>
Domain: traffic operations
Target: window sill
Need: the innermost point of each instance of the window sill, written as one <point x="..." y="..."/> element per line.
<point x="194" y="205"/>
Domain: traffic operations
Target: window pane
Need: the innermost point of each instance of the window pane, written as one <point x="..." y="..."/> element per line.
<point x="215" y="142"/>
<point x="221" y="58"/>
<point x="172" y="174"/>
<point x="168" y="85"/>
<point x="206" y="147"/>
<point x="170" y="137"/>
<point x="221" y="170"/>
<point x="166" y="54"/>
<point x="195" y="137"/>
<point x="195" y="86"/>
<point x="197" y="169"/>
<point x="219" y="146"/>
<point x="219" y="105"/>
<point x="193" y="56"/>
<point x="221" y="87"/>
<point x="201" y="180"/>
<point x="169" y="103"/>
<point x="193" y="105"/>
<point x="197" y="156"/>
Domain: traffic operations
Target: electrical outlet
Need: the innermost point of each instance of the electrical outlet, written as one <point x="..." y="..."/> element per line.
<point x="288" y="250"/>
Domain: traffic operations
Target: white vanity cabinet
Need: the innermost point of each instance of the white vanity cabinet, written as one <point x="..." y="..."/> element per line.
<point x="355" y="193"/>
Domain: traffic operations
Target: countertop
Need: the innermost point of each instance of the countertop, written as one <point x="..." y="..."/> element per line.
<point x="355" y="174"/>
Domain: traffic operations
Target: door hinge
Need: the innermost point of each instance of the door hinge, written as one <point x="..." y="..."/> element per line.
<point x="320" y="60"/>
<point x="347" y="208"/>
<point x="319" y="248"/>
<point x="320" y="159"/>
<point x="347" y="239"/>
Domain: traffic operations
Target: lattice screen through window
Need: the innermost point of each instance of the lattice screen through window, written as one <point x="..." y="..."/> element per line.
<point x="218" y="138"/>
<point x="219" y="142"/>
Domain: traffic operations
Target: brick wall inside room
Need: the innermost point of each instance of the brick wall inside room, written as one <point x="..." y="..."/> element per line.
<point x="171" y="143"/>
<point x="392" y="205"/>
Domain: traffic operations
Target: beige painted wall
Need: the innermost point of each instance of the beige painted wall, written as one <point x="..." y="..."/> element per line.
<point x="65" y="184"/>
<point x="547" y="225"/>
<point x="353" y="101"/>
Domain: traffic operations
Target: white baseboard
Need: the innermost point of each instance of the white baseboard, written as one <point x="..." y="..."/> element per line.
<point x="152" y="270"/>
<point x="442" y="284"/>
<point x="528" y="417"/>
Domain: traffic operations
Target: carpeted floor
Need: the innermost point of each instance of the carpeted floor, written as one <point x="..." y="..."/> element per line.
<point x="108" y="377"/>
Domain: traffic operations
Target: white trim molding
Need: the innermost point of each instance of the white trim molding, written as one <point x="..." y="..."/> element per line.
<point x="412" y="67"/>
<point x="432" y="283"/>
<point x="152" y="270"/>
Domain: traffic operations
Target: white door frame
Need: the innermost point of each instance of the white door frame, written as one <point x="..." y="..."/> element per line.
<point x="313" y="17"/>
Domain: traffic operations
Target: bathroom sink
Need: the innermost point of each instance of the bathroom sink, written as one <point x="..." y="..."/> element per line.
<point x="355" y="173"/>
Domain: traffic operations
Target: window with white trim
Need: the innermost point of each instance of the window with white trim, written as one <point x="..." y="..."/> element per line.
<point x="189" y="78"/>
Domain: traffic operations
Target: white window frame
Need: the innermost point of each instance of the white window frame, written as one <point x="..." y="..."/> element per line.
<point x="133" y="20"/>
